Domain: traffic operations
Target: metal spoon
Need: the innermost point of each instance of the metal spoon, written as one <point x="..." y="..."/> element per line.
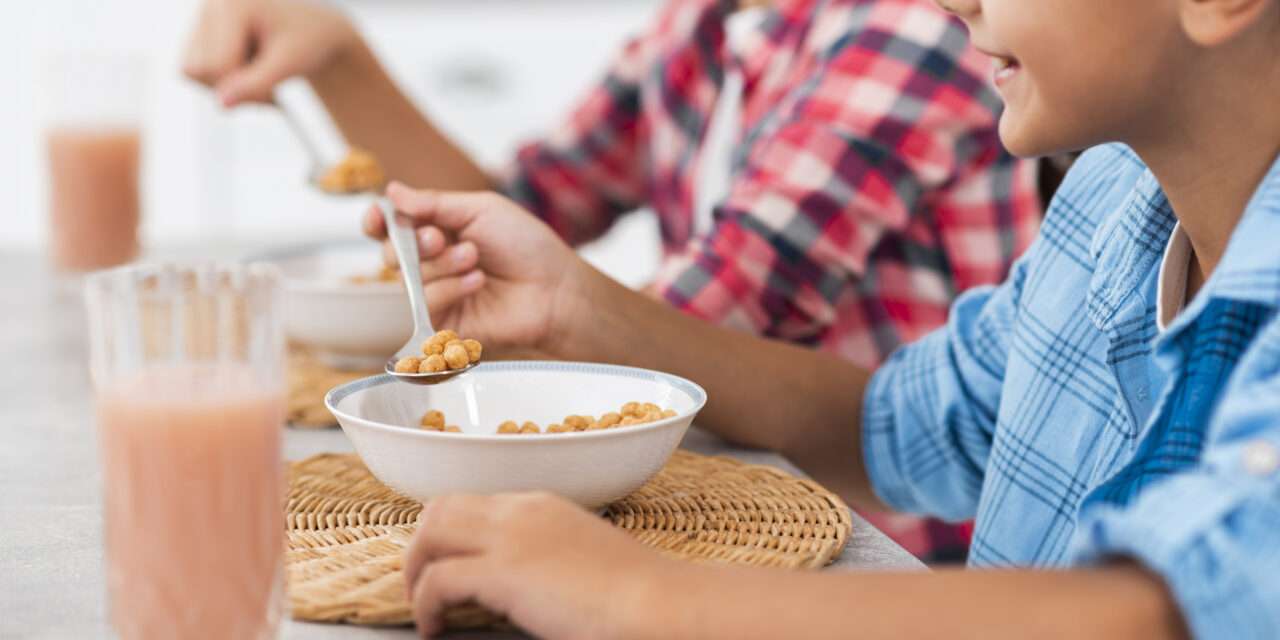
<point x="406" y="247"/>
<point x="318" y="163"/>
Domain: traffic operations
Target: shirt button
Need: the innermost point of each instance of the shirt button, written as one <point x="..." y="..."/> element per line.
<point x="1261" y="458"/>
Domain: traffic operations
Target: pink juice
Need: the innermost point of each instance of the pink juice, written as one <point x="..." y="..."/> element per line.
<point x="193" y="497"/>
<point x="93" y="199"/>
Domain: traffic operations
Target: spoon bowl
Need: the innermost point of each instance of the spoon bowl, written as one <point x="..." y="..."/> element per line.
<point x="435" y="377"/>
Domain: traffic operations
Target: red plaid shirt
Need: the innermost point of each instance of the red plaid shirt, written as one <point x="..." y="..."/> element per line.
<point x="868" y="189"/>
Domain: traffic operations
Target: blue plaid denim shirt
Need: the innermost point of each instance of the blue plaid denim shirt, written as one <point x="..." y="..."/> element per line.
<point x="1052" y="410"/>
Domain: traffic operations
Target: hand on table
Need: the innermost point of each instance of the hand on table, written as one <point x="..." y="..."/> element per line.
<point x="243" y="48"/>
<point x="492" y="270"/>
<point x="553" y="569"/>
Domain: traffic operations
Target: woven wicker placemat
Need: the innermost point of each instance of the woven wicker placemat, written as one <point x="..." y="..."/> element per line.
<point x="347" y="531"/>
<point x="309" y="381"/>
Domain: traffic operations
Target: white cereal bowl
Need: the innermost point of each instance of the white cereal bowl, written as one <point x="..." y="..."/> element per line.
<point x="591" y="468"/>
<point x="348" y="325"/>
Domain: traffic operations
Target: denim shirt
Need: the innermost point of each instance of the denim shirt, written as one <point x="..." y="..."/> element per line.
<point x="1052" y="410"/>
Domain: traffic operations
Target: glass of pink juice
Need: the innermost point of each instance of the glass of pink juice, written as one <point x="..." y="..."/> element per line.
<point x="94" y="205"/>
<point x="188" y="373"/>
<point x="92" y="113"/>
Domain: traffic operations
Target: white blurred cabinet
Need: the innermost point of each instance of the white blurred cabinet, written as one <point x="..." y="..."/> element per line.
<point x="491" y="72"/>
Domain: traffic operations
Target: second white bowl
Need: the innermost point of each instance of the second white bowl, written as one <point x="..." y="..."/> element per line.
<point x="348" y="325"/>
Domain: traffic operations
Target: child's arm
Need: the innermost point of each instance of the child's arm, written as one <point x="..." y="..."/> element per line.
<point x="1120" y="601"/>
<point x="535" y="295"/>
<point x="529" y="292"/>
<point x="244" y="48"/>
<point x="558" y="572"/>
<point x="374" y="114"/>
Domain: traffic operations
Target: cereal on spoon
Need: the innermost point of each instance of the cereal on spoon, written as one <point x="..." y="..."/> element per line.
<point x="358" y="171"/>
<point x="444" y="351"/>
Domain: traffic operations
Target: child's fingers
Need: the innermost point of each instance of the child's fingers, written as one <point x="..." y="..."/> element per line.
<point x="255" y="81"/>
<point x="450" y="210"/>
<point x="459" y="259"/>
<point x="444" y="293"/>
<point x="219" y="44"/>
<point x="448" y="525"/>
<point x="441" y="584"/>
<point x="373" y="224"/>
<point x="431" y="243"/>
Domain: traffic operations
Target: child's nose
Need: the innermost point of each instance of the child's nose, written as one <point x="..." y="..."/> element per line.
<point x="961" y="8"/>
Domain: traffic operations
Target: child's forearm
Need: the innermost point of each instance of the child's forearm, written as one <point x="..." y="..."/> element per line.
<point x="1122" y="601"/>
<point x="373" y="114"/>
<point x="762" y="393"/>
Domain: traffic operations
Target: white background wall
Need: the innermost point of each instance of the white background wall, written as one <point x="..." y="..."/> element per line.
<point x="491" y="72"/>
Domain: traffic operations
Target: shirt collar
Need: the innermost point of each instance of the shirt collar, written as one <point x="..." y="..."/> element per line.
<point x="1128" y="247"/>
<point x="1171" y="287"/>
<point x="1250" y="268"/>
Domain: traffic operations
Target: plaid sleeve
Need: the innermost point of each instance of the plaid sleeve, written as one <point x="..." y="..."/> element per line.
<point x="590" y="170"/>
<point x="892" y="112"/>
<point x="930" y="410"/>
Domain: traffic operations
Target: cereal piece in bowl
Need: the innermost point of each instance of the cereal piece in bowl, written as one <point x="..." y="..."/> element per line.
<point x="433" y="420"/>
<point x="639" y="414"/>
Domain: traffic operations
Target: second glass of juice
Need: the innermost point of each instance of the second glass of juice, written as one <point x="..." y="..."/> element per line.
<point x="92" y="113"/>
<point x="187" y="365"/>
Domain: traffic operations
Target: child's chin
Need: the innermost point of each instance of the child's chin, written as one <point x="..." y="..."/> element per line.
<point x="1023" y="138"/>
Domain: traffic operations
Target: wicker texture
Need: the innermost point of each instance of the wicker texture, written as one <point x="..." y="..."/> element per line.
<point x="347" y="531"/>
<point x="309" y="381"/>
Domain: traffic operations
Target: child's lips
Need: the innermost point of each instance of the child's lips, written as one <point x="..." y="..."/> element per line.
<point x="1005" y="69"/>
<point x="1005" y="66"/>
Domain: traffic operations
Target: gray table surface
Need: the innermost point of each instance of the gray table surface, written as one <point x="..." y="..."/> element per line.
<point x="51" y="583"/>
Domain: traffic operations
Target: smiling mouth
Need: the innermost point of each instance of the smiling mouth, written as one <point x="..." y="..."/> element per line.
<point x="1005" y="68"/>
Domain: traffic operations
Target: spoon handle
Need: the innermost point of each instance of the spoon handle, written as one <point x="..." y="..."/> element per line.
<point x="405" y="243"/>
<point x="300" y="132"/>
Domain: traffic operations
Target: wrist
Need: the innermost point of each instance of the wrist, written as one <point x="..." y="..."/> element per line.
<point x="350" y="63"/>
<point x="648" y="606"/>
<point x="587" y="316"/>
